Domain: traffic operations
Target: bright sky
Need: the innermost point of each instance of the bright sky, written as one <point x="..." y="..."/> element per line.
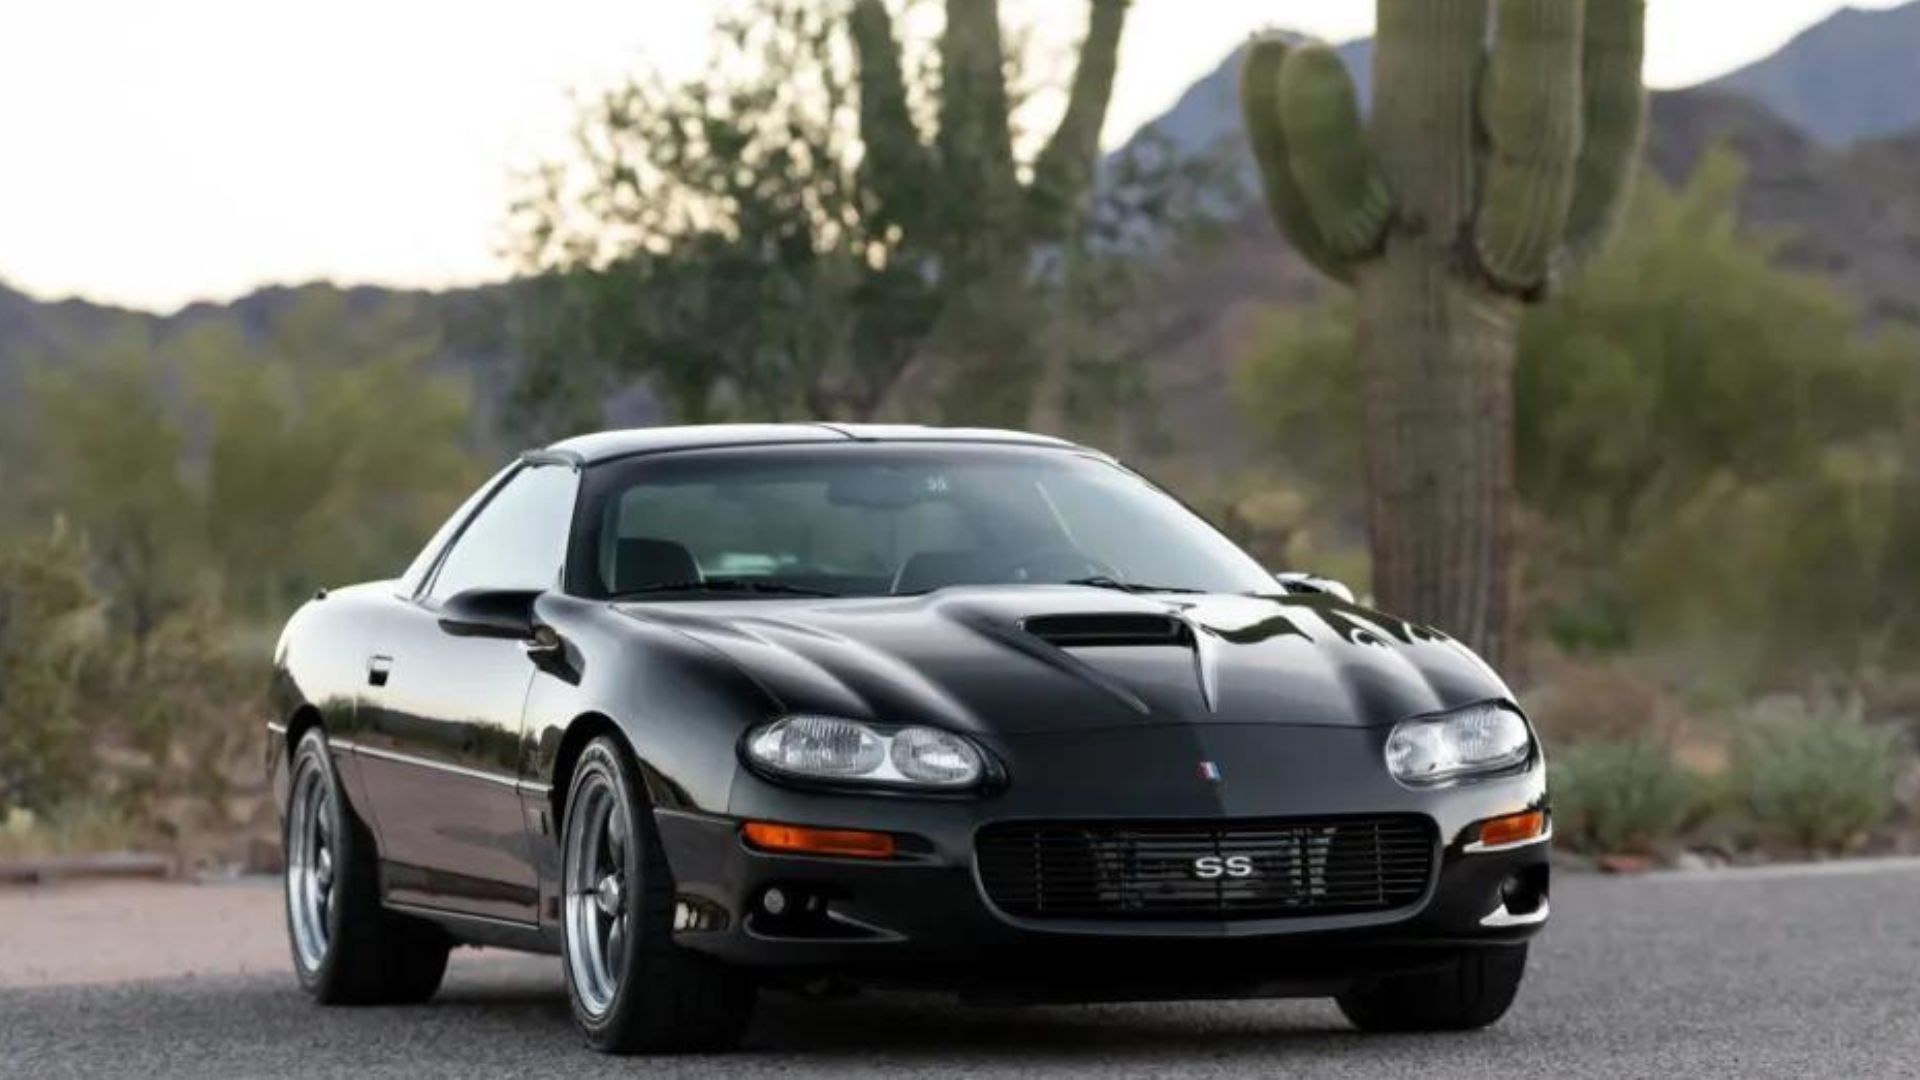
<point x="156" y="153"/>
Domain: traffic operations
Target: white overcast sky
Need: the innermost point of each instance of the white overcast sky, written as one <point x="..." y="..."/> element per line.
<point x="156" y="153"/>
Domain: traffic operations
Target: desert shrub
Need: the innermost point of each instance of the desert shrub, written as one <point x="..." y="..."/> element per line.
<point x="70" y="828"/>
<point x="1814" y="772"/>
<point x="49" y="628"/>
<point x="181" y="726"/>
<point x="1622" y="796"/>
<point x="1577" y="700"/>
<point x="155" y="733"/>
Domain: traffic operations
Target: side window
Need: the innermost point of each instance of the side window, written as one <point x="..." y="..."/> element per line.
<point x="519" y="539"/>
<point x="422" y="564"/>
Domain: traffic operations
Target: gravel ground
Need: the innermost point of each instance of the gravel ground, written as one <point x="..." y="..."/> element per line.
<point x="123" y="931"/>
<point x="1797" y="972"/>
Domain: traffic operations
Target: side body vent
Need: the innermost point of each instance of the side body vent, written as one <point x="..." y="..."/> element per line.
<point x="1096" y="630"/>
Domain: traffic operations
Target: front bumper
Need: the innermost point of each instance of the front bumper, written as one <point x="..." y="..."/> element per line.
<point x="924" y="918"/>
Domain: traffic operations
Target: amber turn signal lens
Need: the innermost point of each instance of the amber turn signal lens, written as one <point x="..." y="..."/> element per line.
<point x="1513" y="829"/>
<point x="798" y="838"/>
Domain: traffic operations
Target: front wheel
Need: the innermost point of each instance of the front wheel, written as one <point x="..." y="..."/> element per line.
<point x="632" y="989"/>
<point x="1470" y="992"/>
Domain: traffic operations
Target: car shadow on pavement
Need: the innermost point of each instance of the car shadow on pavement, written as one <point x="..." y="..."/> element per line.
<point x="906" y="1026"/>
<point x="486" y="1024"/>
<point x="913" y="1026"/>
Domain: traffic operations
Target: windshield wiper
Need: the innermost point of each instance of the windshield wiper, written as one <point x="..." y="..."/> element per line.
<point x="1101" y="581"/>
<point x="735" y="585"/>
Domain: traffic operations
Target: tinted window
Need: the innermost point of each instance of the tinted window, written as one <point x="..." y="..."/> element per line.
<point x="519" y="538"/>
<point x="873" y="520"/>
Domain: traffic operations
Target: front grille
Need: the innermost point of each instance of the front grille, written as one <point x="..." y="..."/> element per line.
<point x="1270" y="868"/>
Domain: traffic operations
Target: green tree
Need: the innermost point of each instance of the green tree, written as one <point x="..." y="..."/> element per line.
<point x="252" y="464"/>
<point x="331" y="447"/>
<point x="711" y="238"/>
<point x="113" y="453"/>
<point x="779" y="240"/>
<point x="1485" y="171"/>
<point x="1688" y="351"/>
<point x="203" y="481"/>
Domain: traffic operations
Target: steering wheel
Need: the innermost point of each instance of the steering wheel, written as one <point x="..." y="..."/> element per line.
<point x="1057" y="565"/>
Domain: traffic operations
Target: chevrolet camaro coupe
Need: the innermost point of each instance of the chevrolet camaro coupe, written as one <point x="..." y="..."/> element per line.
<point x="706" y="710"/>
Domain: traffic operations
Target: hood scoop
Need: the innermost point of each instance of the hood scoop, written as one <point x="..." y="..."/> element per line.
<point x="1086" y="635"/>
<point x="1110" y="630"/>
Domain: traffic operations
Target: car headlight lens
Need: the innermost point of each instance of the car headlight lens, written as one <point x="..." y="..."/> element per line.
<point x="1475" y="740"/>
<point x="831" y="748"/>
<point x="819" y="746"/>
<point x="935" y="757"/>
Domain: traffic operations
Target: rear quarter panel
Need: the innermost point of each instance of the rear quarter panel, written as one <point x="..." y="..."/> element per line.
<point x="319" y="667"/>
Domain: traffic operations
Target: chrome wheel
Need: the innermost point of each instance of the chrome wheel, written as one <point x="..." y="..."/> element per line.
<point x="310" y="865"/>
<point x="598" y="907"/>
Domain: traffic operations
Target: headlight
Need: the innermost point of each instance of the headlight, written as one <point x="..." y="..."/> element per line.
<point x="830" y="748"/>
<point x="1475" y="740"/>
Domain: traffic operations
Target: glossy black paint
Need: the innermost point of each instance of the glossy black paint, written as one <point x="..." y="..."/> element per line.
<point x="453" y="727"/>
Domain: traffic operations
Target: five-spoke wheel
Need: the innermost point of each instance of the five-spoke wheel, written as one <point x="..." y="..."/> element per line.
<point x="633" y="988"/>
<point x="596" y="890"/>
<point x="310" y="863"/>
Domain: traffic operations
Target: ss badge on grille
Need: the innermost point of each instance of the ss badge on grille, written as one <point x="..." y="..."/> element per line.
<point x="1210" y="867"/>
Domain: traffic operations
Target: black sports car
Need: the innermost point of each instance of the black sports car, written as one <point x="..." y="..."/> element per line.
<point x="710" y="709"/>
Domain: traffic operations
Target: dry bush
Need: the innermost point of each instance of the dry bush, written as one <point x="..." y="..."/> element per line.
<point x="51" y="646"/>
<point x="1575" y="701"/>
<point x="110" y="738"/>
<point x="78" y="828"/>
<point x="182" y="753"/>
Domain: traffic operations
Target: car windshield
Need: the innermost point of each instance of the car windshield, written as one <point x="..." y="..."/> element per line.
<point x="879" y="520"/>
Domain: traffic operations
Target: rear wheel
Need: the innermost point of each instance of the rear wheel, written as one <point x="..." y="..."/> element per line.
<point x="347" y="949"/>
<point x="1470" y="992"/>
<point x="632" y="989"/>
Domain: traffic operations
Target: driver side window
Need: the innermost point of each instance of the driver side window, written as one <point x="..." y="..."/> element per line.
<point x="517" y="541"/>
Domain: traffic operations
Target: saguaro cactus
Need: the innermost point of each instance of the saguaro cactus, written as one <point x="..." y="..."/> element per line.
<point x="960" y="194"/>
<point x="1497" y="158"/>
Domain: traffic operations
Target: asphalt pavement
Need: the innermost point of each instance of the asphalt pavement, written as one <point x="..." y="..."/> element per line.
<point x="1795" y="972"/>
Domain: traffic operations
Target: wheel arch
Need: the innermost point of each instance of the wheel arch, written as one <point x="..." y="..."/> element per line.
<point x="582" y="730"/>
<point x="304" y="718"/>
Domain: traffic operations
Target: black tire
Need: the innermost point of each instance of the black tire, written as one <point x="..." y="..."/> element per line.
<point x="1470" y="992"/>
<point x="663" y="999"/>
<point x="370" y="956"/>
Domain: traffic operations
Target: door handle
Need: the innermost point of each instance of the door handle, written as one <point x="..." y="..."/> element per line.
<point x="378" y="668"/>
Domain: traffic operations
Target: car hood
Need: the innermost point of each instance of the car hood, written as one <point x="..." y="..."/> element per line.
<point x="1035" y="659"/>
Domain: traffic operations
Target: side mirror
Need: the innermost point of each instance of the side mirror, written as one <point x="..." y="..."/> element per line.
<point x="1297" y="582"/>
<point x="496" y="613"/>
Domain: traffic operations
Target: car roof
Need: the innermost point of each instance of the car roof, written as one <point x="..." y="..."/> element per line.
<point x="604" y="445"/>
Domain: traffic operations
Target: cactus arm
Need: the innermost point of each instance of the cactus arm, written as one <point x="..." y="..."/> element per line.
<point x="1260" y="103"/>
<point x="976" y="143"/>
<point x="1615" y="103"/>
<point x="1333" y="167"/>
<point x="1427" y="62"/>
<point x="897" y="162"/>
<point x="1063" y="173"/>
<point x="1533" y="117"/>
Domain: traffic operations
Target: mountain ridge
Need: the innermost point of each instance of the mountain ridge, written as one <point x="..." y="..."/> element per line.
<point x="1833" y="80"/>
<point x="1850" y="212"/>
